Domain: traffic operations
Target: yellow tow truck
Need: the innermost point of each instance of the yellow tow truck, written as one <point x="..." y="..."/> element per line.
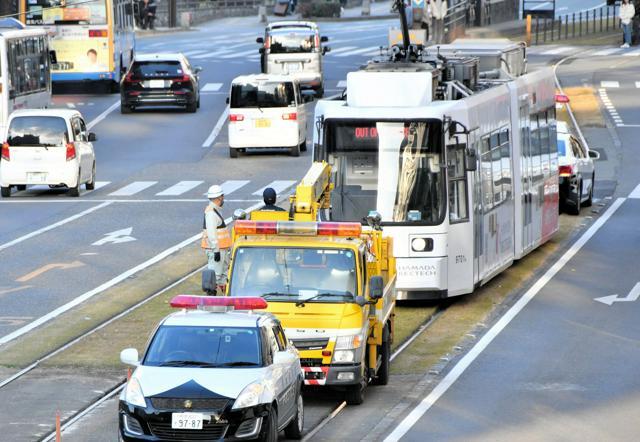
<point x="331" y="284"/>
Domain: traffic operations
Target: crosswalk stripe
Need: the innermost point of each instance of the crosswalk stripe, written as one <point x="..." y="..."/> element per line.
<point x="342" y="83"/>
<point x="638" y="84"/>
<point x="636" y="193"/>
<point x="240" y="54"/>
<point x="635" y="53"/>
<point x="278" y="186"/>
<point x="179" y="188"/>
<point x="212" y="54"/>
<point x="194" y="52"/>
<point x="101" y="184"/>
<point x="359" y="51"/>
<point x="607" y="51"/>
<point x="557" y="51"/>
<point x="211" y="87"/>
<point x="609" y="84"/>
<point x="133" y="188"/>
<point x="71" y="105"/>
<point x="342" y="49"/>
<point x="233" y="185"/>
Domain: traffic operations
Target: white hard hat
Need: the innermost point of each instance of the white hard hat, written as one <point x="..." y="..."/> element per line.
<point x="215" y="191"/>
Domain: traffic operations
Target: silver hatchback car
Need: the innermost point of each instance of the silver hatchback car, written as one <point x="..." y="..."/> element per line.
<point x="294" y="48"/>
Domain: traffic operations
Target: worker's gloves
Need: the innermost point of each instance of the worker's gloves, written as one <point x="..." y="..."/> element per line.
<point x="216" y="256"/>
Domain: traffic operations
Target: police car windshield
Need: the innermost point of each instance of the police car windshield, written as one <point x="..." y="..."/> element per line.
<point x="294" y="274"/>
<point x="184" y="346"/>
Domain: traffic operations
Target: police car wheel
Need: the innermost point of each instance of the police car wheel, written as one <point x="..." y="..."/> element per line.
<point x="295" y="427"/>
<point x="271" y="430"/>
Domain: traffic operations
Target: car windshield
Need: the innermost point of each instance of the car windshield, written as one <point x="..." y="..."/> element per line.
<point x="204" y="347"/>
<point x="286" y="274"/>
<point x="156" y="69"/>
<point x="37" y="131"/>
<point x="562" y="147"/>
<point x="292" y="41"/>
<point x="271" y="94"/>
<point x="51" y="12"/>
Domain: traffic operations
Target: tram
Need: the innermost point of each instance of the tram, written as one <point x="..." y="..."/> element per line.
<point x="456" y="151"/>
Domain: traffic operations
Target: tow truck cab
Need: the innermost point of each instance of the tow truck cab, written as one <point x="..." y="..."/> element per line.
<point x="332" y="287"/>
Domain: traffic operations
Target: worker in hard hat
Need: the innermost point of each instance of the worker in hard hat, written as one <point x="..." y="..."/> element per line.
<point x="216" y="237"/>
<point x="269" y="198"/>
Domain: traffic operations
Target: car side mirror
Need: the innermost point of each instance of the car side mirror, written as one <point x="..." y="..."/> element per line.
<point x="209" y="285"/>
<point x="260" y="40"/>
<point x="324" y="39"/>
<point x="92" y="137"/>
<point x="53" y="57"/>
<point x="595" y="155"/>
<point x="261" y="50"/>
<point x="325" y="49"/>
<point x="129" y="356"/>
<point x="197" y="69"/>
<point x="376" y="287"/>
<point x="471" y="161"/>
<point x="226" y="100"/>
<point x="308" y="96"/>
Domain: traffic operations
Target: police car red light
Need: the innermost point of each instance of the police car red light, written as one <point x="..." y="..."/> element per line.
<point x="194" y="302"/>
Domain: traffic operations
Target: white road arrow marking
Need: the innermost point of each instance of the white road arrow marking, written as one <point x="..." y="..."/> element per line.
<point x="633" y="295"/>
<point x="117" y="237"/>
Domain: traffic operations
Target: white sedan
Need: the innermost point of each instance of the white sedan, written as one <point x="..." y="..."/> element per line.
<point x="50" y="147"/>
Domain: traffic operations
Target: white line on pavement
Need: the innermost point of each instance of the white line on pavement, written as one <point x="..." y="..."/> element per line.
<point x="179" y="188"/>
<point x="635" y="53"/>
<point x="217" y="128"/>
<point x="482" y="344"/>
<point x="610" y="84"/>
<point x="359" y="51"/>
<point x="343" y="49"/>
<point x="194" y="52"/>
<point x="133" y="188"/>
<point x="278" y="186"/>
<point x="240" y="55"/>
<point x="607" y="51"/>
<point x="637" y="84"/>
<point x="342" y="84"/>
<point x="54" y="225"/>
<point x="557" y="51"/>
<point x="636" y="193"/>
<point x="211" y="87"/>
<point x="233" y="185"/>
<point x="103" y="115"/>
<point x="80" y="299"/>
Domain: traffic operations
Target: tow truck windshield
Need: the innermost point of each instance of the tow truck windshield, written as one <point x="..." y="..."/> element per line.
<point x="294" y="274"/>
<point x="396" y="167"/>
<point x="215" y="347"/>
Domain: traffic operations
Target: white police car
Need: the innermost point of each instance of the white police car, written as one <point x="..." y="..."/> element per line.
<point x="211" y="373"/>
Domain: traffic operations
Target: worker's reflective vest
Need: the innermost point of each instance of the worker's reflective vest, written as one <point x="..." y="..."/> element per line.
<point x="224" y="235"/>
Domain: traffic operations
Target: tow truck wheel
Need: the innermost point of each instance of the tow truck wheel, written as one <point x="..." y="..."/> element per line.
<point x="233" y="153"/>
<point x="295" y="427"/>
<point x="382" y="376"/>
<point x="355" y="395"/>
<point x="271" y="430"/>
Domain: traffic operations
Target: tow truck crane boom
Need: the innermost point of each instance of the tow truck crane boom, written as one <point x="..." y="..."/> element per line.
<point x="312" y="194"/>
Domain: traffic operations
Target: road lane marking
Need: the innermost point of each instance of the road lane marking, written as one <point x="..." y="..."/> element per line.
<point x="636" y="193"/>
<point x="193" y="52"/>
<point x="558" y="51"/>
<point x="410" y="420"/>
<point x="133" y="188"/>
<point x="211" y="87"/>
<point x="233" y="185"/>
<point x="71" y="105"/>
<point x="54" y="225"/>
<point x="607" y="51"/>
<point x="121" y="277"/>
<point x="239" y="54"/>
<point x="103" y="115"/>
<point x="217" y="128"/>
<point x="48" y="267"/>
<point x="633" y="296"/>
<point x="609" y="84"/>
<point x="637" y="84"/>
<point x="13" y="290"/>
<point x="117" y="237"/>
<point x="342" y="84"/>
<point x="278" y="186"/>
<point x="635" y="53"/>
<point x="359" y="51"/>
<point x="180" y="188"/>
<point x="342" y="49"/>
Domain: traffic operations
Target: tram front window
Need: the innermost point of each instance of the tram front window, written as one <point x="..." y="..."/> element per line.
<point x="394" y="167"/>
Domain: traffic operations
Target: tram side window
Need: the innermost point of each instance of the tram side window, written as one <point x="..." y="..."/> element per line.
<point x="505" y="150"/>
<point x="485" y="171"/>
<point x="553" y="136"/>
<point x="457" y="183"/>
<point x="496" y="164"/>
<point x="536" y="149"/>
<point x="545" y="145"/>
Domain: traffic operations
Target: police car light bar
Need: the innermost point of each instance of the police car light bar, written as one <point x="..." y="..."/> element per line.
<point x="192" y="302"/>
<point x="244" y="227"/>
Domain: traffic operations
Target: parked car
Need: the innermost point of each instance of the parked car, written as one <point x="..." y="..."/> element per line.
<point x="267" y="111"/>
<point x="47" y="146"/>
<point x="294" y="48"/>
<point x="160" y="80"/>
<point x="577" y="171"/>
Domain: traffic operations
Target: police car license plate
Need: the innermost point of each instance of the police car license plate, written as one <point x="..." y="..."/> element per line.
<point x="263" y="122"/>
<point x="186" y="421"/>
<point x="156" y="83"/>
<point x="36" y="177"/>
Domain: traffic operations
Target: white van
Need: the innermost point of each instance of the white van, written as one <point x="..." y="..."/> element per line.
<point x="50" y="147"/>
<point x="266" y="111"/>
<point x="294" y="48"/>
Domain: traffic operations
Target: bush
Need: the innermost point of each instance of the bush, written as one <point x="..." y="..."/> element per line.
<point x="319" y="8"/>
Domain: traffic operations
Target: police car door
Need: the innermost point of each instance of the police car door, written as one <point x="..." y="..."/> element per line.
<point x="284" y="379"/>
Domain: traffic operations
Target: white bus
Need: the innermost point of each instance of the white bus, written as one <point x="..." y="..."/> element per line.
<point x="25" y="78"/>
<point x="458" y="157"/>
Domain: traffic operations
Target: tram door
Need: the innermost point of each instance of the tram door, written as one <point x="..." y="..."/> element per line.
<point x="527" y="169"/>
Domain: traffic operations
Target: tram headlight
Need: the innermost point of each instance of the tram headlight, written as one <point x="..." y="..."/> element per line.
<point x="422" y="244"/>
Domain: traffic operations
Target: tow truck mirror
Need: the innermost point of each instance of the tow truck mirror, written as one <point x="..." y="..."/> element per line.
<point x="129" y="356"/>
<point x="92" y="137"/>
<point x="376" y="287"/>
<point x="209" y="282"/>
<point x="325" y="49"/>
<point x="260" y="40"/>
<point x="53" y="57"/>
<point x="361" y="301"/>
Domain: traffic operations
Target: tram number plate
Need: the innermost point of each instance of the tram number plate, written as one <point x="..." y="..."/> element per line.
<point x="263" y="122"/>
<point x="186" y="421"/>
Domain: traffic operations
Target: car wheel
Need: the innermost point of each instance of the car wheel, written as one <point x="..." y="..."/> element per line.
<point x="91" y="185"/>
<point x="589" y="200"/>
<point x="303" y="146"/>
<point x="75" y="191"/>
<point x="192" y="107"/>
<point x="382" y="376"/>
<point x="295" y="151"/>
<point x="5" y="191"/>
<point x="21" y="187"/>
<point x="295" y="427"/>
<point x="124" y="109"/>
<point x="233" y="153"/>
<point x="271" y="430"/>
<point x="198" y="103"/>
<point x="575" y="200"/>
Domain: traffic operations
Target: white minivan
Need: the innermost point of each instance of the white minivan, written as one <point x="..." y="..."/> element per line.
<point x="50" y="147"/>
<point x="267" y="111"/>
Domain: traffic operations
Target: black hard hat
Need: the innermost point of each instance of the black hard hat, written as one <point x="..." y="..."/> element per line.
<point x="269" y="195"/>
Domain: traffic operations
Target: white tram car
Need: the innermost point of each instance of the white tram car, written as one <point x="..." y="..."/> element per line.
<point x="456" y="152"/>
